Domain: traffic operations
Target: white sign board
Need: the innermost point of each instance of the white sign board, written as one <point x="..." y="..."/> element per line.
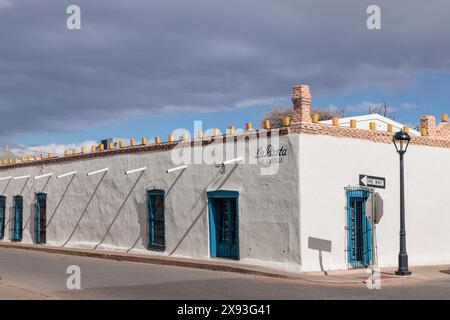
<point x="372" y="181"/>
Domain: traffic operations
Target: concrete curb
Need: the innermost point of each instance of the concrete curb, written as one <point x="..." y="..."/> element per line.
<point x="176" y="262"/>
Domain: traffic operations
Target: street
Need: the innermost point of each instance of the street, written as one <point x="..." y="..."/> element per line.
<point x="36" y="275"/>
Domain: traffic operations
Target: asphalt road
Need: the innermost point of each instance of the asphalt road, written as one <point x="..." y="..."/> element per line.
<point x="36" y="275"/>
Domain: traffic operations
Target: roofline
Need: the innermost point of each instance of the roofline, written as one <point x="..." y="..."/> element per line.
<point x="163" y="146"/>
<point x="372" y="116"/>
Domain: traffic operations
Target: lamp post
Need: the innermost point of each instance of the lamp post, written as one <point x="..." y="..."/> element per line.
<point x="401" y="142"/>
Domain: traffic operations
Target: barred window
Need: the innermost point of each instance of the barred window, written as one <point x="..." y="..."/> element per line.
<point x="156" y="220"/>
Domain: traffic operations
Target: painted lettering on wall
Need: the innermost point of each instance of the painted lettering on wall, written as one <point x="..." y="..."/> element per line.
<point x="267" y="154"/>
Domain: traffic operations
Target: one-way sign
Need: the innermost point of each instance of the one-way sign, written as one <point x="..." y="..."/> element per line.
<point x="371" y="181"/>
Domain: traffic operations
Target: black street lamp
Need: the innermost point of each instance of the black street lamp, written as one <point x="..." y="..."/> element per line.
<point x="401" y="142"/>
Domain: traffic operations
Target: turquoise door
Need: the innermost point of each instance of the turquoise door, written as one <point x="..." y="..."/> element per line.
<point x="2" y="216"/>
<point x="359" y="229"/>
<point x="17" y="221"/>
<point x="224" y="224"/>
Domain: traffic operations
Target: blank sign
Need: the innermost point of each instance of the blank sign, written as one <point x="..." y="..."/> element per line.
<point x="319" y="244"/>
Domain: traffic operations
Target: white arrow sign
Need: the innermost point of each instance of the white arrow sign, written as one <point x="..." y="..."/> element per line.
<point x="371" y="181"/>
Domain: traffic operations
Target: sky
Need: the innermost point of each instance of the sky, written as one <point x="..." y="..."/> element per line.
<point x="145" y="67"/>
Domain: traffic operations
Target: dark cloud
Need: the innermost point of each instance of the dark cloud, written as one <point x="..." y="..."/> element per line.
<point x="152" y="57"/>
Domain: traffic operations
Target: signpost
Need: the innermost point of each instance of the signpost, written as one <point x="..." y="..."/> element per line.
<point x="374" y="212"/>
<point x="374" y="208"/>
<point x="372" y="182"/>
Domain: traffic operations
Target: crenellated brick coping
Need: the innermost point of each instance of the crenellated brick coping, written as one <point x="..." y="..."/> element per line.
<point x="302" y="128"/>
<point x="443" y="130"/>
<point x="364" y="134"/>
<point x="163" y="146"/>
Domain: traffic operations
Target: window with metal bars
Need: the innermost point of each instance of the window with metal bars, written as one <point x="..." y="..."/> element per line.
<point x="359" y="229"/>
<point x="2" y="216"/>
<point x="41" y="217"/>
<point x="156" y="220"/>
<point x="17" y="219"/>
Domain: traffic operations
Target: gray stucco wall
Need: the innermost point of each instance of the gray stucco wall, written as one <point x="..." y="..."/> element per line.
<point x="109" y="210"/>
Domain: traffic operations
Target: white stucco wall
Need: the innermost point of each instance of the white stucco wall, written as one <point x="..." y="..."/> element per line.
<point x="110" y="212"/>
<point x="329" y="164"/>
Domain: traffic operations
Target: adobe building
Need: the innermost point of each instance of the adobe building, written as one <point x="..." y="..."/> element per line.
<point x="287" y="198"/>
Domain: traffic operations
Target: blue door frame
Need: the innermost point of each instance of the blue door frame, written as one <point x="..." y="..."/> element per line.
<point x="156" y="219"/>
<point x="223" y="207"/>
<point x="2" y="216"/>
<point x="41" y="217"/>
<point x="17" y="218"/>
<point x="359" y="229"/>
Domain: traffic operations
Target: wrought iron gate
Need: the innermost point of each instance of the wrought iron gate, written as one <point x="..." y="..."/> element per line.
<point x="359" y="228"/>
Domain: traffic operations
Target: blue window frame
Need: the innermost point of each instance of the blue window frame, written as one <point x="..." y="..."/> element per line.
<point x="359" y="229"/>
<point x="41" y="217"/>
<point x="223" y="207"/>
<point x="156" y="220"/>
<point x="17" y="221"/>
<point x="2" y="216"/>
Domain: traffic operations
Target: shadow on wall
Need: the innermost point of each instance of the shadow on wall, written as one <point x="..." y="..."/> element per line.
<point x="143" y="224"/>
<point x="7" y="226"/>
<point x="60" y="201"/>
<point x="25" y="225"/>
<point x="85" y="209"/>
<point x="32" y="221"/>
<point x="143" y="219"/>
<point x="175" y="182"/>
<point x="46" y="184"/>
<point x="24" y="186"/>
<point x="10" y="221"/>
<point x="203" y="210"/>
<point x="320" y="245"/>
<point x="6" y="186"/>
<point x="119" y="210"/>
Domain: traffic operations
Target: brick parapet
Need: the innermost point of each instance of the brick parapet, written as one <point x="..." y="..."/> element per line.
<point x="443" y="130"/>
<point x="301" y="128"/>
<point x="370" y="135"/>
<point x="164" y="146"/>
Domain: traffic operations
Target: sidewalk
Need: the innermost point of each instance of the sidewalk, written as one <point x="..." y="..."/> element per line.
<point x="420" y="274"/>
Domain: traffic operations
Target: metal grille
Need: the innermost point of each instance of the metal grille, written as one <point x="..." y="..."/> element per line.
<point x="359" y="228"/>
<point x="226" y="226"/>
<point x="17" y="221"/>
<point x="2" y="216"/>
<point x="41" y="218"/>
<point x="156" y="219"/>
<point x="223" y="223"/>
<point x="235" y="235"/>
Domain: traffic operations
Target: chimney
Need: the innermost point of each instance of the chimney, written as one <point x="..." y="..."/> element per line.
<point x="429" y="123"/>
<point x="301" y="99"/>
